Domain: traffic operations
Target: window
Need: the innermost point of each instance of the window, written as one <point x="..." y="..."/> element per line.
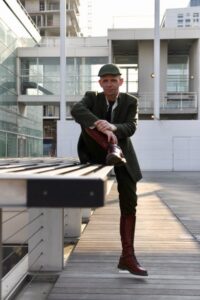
<point x="50" y="20"/>
<point x="41" y="5"/>
<point x="177" y="73"/>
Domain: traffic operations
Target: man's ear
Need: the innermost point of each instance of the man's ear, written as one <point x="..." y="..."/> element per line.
<point x="121" y="81"/>
<point x="100" y="82"/>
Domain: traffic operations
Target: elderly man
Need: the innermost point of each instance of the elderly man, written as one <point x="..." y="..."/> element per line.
<point x="108" y="120"/>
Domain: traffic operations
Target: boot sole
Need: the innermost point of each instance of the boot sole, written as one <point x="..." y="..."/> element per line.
<point x="113" y="160"/>
<point x="123" y="268"/>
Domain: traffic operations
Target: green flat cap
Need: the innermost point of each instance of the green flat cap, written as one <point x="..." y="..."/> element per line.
<point x="109" y="69"/>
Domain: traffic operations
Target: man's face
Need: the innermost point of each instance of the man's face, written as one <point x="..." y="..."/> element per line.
<point x="110" y="85"/>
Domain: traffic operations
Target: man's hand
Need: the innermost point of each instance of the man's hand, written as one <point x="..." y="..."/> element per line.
<point x="103" y="125"/>
<point x="111" y="137"/>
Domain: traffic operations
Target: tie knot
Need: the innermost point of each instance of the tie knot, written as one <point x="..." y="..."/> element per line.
<point x="111" y="103"/>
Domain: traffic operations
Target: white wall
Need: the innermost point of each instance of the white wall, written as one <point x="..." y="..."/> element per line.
<point x="168" y="145"/>
<point x="160" y="145"/>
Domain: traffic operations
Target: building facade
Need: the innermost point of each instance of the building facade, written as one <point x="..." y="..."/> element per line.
<point x="46" y="16"/>
<point x="194" y="3"/>
<point x="31" y="81"/>
<point x="183" y="17"/>
<point x="20" y="125"/>
<point x="132" y="50"/>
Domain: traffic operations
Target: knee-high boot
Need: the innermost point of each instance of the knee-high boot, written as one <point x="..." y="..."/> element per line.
<point x="114" y="152"/>
<point x="128" y="260"/>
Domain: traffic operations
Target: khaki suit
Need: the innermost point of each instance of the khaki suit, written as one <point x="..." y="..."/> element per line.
<point x="92" y="107"/>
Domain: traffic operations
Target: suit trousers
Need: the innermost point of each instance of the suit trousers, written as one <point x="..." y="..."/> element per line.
<point x="90" y="151"/>
<point x="127" y="189"/>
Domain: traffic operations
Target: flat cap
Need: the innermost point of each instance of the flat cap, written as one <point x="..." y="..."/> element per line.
<point x="109" y="69"/>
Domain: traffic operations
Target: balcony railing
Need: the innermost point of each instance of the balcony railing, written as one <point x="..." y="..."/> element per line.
<point x="76" y="86"/>
<point x="169" y="102"/>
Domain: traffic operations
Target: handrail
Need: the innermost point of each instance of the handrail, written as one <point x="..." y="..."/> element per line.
<point x="27" y="14"/>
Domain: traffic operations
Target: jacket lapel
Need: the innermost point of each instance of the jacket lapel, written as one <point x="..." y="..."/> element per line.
<point x="102" y="104"/>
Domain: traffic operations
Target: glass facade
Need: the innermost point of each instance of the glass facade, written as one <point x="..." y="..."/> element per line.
<point x="40" y="76"/>
<point x="178" y="73"/>
<point x="20" y="126"/>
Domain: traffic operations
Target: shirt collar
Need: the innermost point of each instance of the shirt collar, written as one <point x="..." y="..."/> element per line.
<point x="115" y="104"/>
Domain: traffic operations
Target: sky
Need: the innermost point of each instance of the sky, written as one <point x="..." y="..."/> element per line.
<point x="125" y="13"/>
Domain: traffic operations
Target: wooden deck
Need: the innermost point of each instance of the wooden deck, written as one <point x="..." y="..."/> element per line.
<point x="163" y="245"/>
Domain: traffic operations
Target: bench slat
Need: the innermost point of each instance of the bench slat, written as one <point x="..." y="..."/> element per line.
<point x="60" y="185"/>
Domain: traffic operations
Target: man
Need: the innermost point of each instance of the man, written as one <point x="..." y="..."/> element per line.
<point x="108" y="119"/>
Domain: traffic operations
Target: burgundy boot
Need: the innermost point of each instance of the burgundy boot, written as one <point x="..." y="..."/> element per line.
<point x="115" y="156"/>
<point x="128" y="260"/>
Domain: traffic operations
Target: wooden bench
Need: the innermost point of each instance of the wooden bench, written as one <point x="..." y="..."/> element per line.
<point x="52" y="183"/>
<point x="51" y="189"/>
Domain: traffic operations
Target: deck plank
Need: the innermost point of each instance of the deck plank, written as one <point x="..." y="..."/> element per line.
<point x="163" y="245"/>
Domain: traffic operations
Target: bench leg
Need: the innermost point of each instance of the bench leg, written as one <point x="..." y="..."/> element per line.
<point x="46" y="243"/>
<point x="86" y="213"/>
<point x="72" y="224"/>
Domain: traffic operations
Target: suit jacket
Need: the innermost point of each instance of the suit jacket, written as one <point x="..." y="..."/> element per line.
<point x="93" y="107"/>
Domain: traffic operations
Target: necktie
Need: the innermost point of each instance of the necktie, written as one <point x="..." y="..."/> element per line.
<point x="109" y="111"/>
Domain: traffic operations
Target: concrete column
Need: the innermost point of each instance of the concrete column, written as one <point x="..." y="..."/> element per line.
<point x="157" y="60"/>
<point x="62" y="59"/>
<point x="0" y="249"/>
<point x="62" y="124"/>
<point x="110" y="54"/>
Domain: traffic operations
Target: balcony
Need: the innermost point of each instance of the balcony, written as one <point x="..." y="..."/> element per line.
<point x="171" y="103"/>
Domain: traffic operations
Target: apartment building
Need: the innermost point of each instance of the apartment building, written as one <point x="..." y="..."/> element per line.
<point x="194" y="3"/>
<point x="46" y="16"/>
<point x="183" y="17"/>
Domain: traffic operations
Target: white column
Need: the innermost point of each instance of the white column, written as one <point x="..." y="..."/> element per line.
<point x="110" y="57"/>
<point x="157" y="60"/>
<point x="0" y="249"/>
<point x="62" y="59"/>
<point x="62" y="123"/>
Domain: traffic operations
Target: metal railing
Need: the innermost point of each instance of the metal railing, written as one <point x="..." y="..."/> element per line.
<point x="169" y="101"/>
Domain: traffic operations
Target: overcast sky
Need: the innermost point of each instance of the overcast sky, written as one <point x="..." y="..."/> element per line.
<point x="127" y="13"/>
